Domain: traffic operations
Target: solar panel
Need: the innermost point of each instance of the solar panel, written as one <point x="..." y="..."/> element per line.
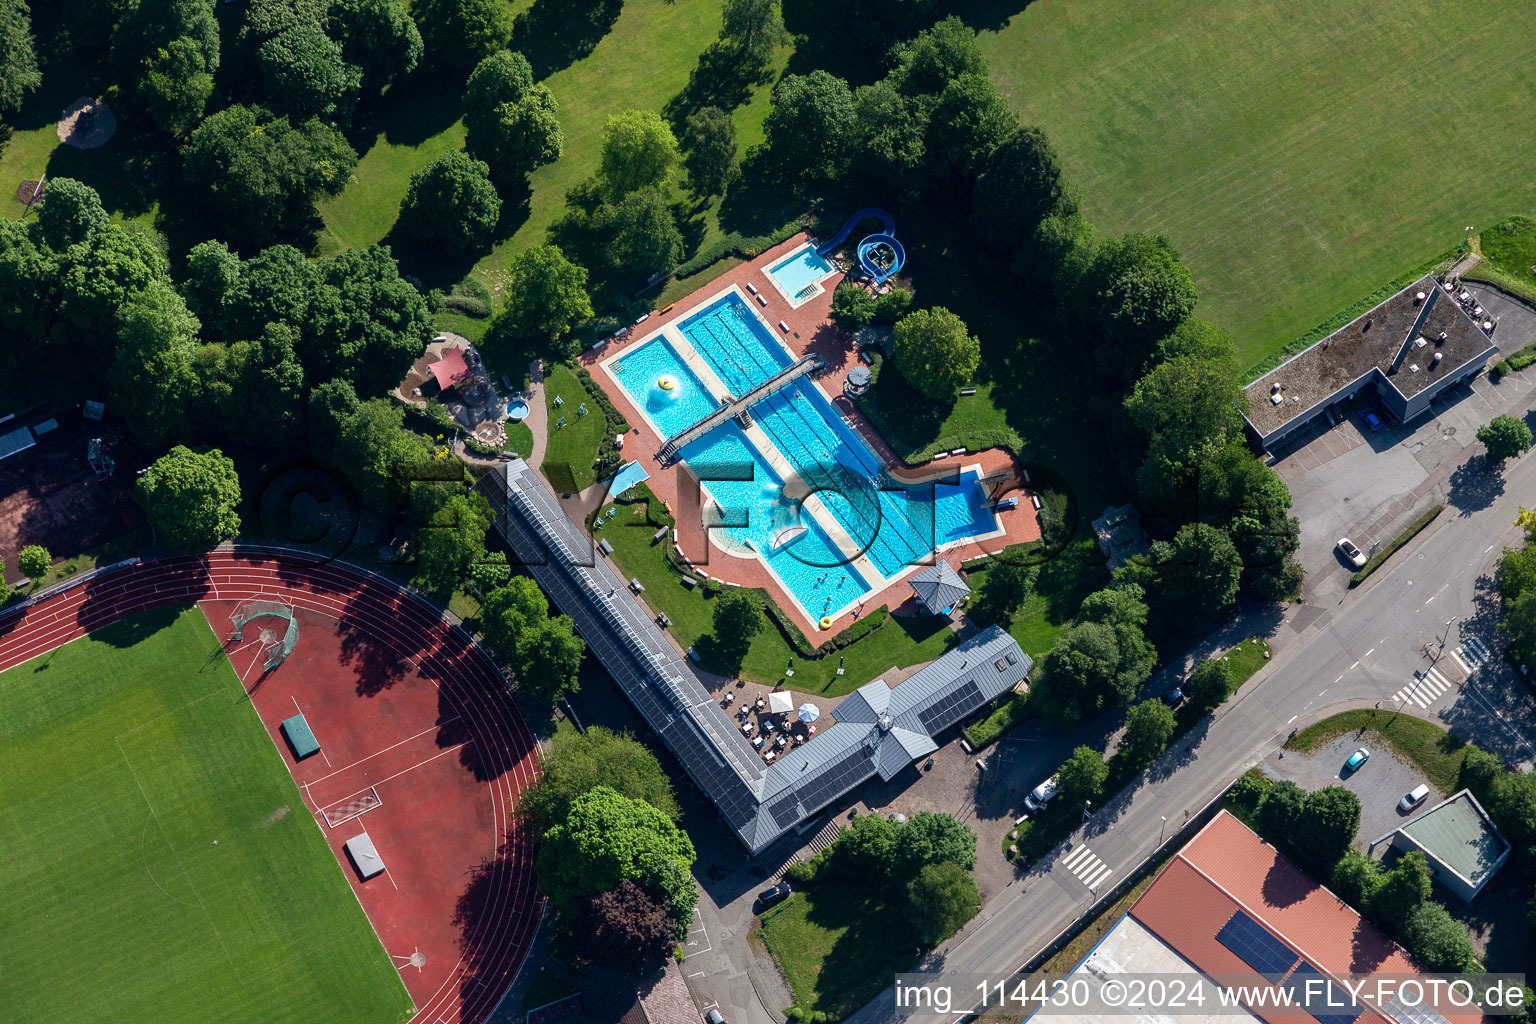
<point x="1404" y="1014"/>
<point x="1256" y="947"/>
<point x="1328" y="1003"/>
<point x="949" y="708"/>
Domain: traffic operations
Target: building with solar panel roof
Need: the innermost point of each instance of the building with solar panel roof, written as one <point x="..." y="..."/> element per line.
<point x="1230" y="906"/>
<point x="877" y="731"/>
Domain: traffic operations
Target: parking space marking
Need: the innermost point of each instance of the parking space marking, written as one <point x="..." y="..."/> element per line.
<point x="692" y="943"/>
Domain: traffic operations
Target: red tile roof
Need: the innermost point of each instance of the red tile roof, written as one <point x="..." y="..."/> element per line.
<point x="1227" y="868"/>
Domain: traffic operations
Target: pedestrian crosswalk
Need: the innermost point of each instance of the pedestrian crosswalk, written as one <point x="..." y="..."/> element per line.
<point x="1423" y="691"/>
<point x="1472" y="655"/>
<point x="1085" y="864"/>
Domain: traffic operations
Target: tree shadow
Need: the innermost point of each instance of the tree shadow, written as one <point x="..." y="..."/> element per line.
<point x="483" y="914"/>
<point x="554" y="34"/>
<point x="377" y="666"/>
<point x="1474" y="485"/>
<point x="175" y="587"/>
<point x="720" y="79"/>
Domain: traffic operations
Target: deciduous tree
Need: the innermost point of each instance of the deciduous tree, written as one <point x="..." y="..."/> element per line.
<point x="1081" y="777"/>
<point x="625" y="926"/>
<point x="810" y="123"/>
<point x="1329" y="820"/>
<point x="1148" y="728"/>
<point x="192" y="497"/>
<point x="1019" y="185"/>
<point x="1437" y="940"/>
<point x="753" y="29"/>
<point x="937" y="56"/>
<point x="452" y="204"/>
<point x="376" y="36"/>
<point x="936" y="353"/>
<point x="461" y="33"/>
<point x="19" y="73"/>
<point x="450" y="541"/>
<point x="509" y="121"/>
<point x="546" y="298"/>
<point x="709" y="150"/>
<point x="941" y="898"/>
<point x="1002" y="593"/>
<point x="606" y="838"/>
<point x="577" y="762"/>
<point x="1505" y="437"/>
<point x="931" y="838"/>
<point x="639" y="151"/>
<point x="305" y="75"/>
<point x="34" y="560"/>
<point x="1208" y="684"/>
<point x="643" y="235"/>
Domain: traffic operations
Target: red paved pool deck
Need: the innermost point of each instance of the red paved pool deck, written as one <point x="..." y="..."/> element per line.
<point x="810" y="330"/>
<point x="404" y="707"/>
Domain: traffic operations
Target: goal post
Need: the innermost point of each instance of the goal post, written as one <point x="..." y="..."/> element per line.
<point x="280" y="645"/>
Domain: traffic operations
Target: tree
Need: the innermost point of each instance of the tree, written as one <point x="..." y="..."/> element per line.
<point x="378" y="37"/>
<point x="709" y="150"/>
<point x="254" y="169"/>
<point x="95" y="280"/>
<point x="738" y="618"/>
<point x="578" y="762"/>
<point x="852" y="306"/>
<point x="34" y="560"/>
<point x="754" y="29"/>
<point x="364" y="321"/>
<point x="70" y="214"/>
<point x="19" y="73"/>
<point x="606" y="838"/>
<point x="643" y="238"/>
<point x="192" y="497"/>
<point x="548" y="659"/>
<point x="639" y="151"/>
<point x="306" y="76"/>
<point x="668" y="879"/>
<point x="152" y="378"/>
<point x="1019" y="185"/>
<point x="1187" y="406"/>
<point x="940" y="899"/>
<point x="1148" y="728"/>
<point x="212" y="270"/>
<point x="1197" y="573"/>
<point x="546" y="298"/>
<point x="809" y="124"/>
<point x="936" y="353"/>
<point x="969" y="122"/>
<point x="930" y="838"/>
<point x="1280" y="810"/>
<point x="509" y="121"/>
<point x="450" y="541"/>
<point x="936" y="57"/>
<point x="175" y="84"/>
<point x="461" y="33"/>
<point x="864" y="849"/>
<point x="1002" y="593"/>
<point x="1093" y="666"/>
<point x="1505" y="438"/>
<point x="1142" y="292"/>
<point x="1354" y="878"/>
<point x="381" y="455"/>
<point x="1437" y="940"/>
<point x="625" y="926"/>
<point x="1081" y="777"/>
<point x="1399" y="892"/>
<point x="508" y="612"/>
<point x="1327" y="825"/>
<point x="889" y="131"/>
<point x="452" y="203"/>
<point x="1208" y="684"/>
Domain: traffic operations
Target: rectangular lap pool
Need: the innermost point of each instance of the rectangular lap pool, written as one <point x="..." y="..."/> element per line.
<point x="798" y="275"/>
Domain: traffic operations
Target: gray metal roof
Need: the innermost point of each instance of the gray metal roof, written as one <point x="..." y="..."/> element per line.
<point x="879" y="730"/>
<point x="1459" y="835"/>
<point x="939" y="586"/>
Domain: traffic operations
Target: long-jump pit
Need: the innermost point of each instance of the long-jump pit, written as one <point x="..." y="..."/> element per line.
<point x="169" y="859"/>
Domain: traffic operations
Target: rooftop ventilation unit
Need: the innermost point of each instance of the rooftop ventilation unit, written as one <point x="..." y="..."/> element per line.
<point x="1413" y="367"/>
<point x="1274" y="388"/>
<point x="1418" y="298"/>
<point x="1367" y="325"/>
<point x="1420" y="341"/>
<point x="1276" y="399"/>
<point x="1436" y="361"/>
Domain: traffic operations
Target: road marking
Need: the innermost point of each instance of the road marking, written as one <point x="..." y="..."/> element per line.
<point x="1367" y="654"/>
<point x="1087" y="866"/>
<point x="1340" y="677"/>
<point x="1487" y="549"/>
<point x="1424" y="691"/>
<point x="1322" y="691"/>
<point x="1293" y="718"/>
<point x="1461" y="661"/>
<point x="1355" y="665"/>
<point x="1431" y="599"/>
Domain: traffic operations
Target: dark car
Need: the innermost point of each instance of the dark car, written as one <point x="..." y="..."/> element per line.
<point x="1173" y="698"/>
<point x="1370" y="419"/>
<point x="769" y="897"/>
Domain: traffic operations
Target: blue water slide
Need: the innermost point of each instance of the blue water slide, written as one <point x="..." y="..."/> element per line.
<point x="887" y="225"/>
<point x="873" y="269"/>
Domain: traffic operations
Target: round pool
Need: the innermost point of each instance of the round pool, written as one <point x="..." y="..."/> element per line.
<point x="517" y="410"/>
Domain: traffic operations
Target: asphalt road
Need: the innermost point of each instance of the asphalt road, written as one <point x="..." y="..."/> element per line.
<point x="1371" y="646"/>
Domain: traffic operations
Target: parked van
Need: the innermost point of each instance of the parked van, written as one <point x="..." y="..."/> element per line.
<point x="1040" y="795"/>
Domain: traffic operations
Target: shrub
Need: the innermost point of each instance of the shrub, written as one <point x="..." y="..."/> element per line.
<point x="735" y="244"/>
<point x="1403" y="538"/>
<point x="34" y="560"/>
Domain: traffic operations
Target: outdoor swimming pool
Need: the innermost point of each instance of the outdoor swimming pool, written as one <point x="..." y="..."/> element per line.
<point x="800" y="271"/>
<point x="670" y="409"/>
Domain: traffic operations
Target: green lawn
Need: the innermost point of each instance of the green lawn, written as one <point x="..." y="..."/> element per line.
<point x="899" y="642"/>
<point x="1427" y="747"/>
<point x="1297" y="154"/>
<point x="1245" y="659"/>
<point x="575" y="444"/>
<point x="919" y="430"/>
<point x="520" y="438"/>
<point x="837" y="947"/>
<point x="1509" y="252"/>
<point x="160" y="863"/>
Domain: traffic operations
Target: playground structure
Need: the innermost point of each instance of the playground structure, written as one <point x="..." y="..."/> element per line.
<point x="880" y="255"/>
<point x="100" y="461"/>
<point x="276" y="648"/>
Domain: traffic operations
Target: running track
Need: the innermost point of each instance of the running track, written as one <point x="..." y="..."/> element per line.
<point x="498" y="930"/>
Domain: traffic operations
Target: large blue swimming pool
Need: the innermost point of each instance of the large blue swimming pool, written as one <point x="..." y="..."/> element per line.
<point x="897" y="525"/>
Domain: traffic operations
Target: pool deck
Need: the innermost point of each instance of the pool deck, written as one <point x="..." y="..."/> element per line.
<point x="810" y="331"/>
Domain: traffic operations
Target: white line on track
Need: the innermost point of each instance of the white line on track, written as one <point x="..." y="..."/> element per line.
<point x="1367" y="654"/>
<point x="385" y="750"/>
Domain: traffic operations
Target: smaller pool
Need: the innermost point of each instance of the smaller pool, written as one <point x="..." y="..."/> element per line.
<point x="800" y="272"/>
<point x="660" y="383"/>
<point x="517" y="410"/>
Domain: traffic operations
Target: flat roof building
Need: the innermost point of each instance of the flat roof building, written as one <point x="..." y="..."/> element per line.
<point x="1464" y="848"/>
<point x="878" y="731"/>
<point x="1410" y="348"/>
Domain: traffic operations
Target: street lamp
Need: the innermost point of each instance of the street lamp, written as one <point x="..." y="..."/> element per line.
<point x="1162" y="831"/>
<point x="1086" y="805"/>
<point x="1449" y="623"/>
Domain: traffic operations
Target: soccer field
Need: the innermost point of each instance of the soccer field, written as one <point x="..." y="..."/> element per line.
<point x="1299" y="154"/>
<point x="159" y="864"/>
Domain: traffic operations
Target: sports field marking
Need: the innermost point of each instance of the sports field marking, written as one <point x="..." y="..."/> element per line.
<point x="346" y="810"/>
<point x="385" y="750"/>
<point x="405" y="771"/>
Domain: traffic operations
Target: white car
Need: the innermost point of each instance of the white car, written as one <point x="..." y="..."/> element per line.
<point x="1348" y="550"/>
<point x="1413" y="798"/>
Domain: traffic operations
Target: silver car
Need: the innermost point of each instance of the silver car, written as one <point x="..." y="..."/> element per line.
<point x="1354" y="555"/>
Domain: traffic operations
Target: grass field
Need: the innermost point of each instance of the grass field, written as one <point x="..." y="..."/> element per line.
<point x="575" y="444"/>
<point x="1425" y="745"/>
<point x="1297" y="154"/>
<point x="161" y="865"/>
<point x="837" y="946"/>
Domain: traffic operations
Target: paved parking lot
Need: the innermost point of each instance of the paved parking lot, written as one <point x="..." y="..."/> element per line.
<point x="1380" y="784"/>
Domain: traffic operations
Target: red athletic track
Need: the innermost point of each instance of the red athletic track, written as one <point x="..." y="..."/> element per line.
<point x="493" y="915"/>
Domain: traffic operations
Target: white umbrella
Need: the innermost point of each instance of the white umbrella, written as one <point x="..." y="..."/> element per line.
<point x="809" y="712"/>
<point x="780" y="701"/>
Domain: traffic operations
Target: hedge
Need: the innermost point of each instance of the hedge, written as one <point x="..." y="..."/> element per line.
<point x="1010" y="713"/>
<point x="796" y="639"/>
<point x="1514" y="361"/>
<point x="608" y="457"/>
<point x="1401" y="539"/>
<point x="735" y="244"/>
